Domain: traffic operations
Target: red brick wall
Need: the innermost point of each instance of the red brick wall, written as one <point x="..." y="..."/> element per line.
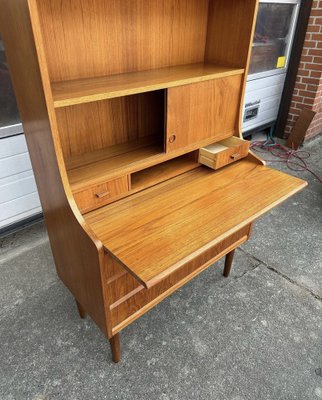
<point x="308" y="88"/>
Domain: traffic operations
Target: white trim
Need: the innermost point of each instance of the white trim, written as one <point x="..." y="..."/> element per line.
<point x="280" y="1"/>
<point x="10" y="130"/>
<point x="19" y="218"/>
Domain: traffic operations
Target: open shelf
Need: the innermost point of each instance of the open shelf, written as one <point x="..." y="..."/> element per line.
<point x="176" y="221"/>
<point x="102" y="165"/>
<point x="79" y="91"/>
<point x="162" y="172"/>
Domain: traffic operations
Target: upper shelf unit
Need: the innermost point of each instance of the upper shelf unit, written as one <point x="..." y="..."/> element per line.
<point x="86" y="90"/>
<point x="114" y="48"/>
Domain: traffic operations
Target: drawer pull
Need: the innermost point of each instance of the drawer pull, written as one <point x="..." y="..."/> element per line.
<point x="225" y="152"/>
<point x="172" y="138"/>
<point x="101" y="195"/>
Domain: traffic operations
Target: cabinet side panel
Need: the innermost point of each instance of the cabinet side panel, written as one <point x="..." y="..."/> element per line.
<point x="234" y="22"/>
<point x="231" y="21"/>
<point x="77" y="256"/>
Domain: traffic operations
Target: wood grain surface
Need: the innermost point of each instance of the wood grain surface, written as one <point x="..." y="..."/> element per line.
<point x="100" y="195"/>
<point x="90" y="169"/>
<point x="162" y="172"/>
<point x="91" y="38"/>
<point x="233" y="21"/>
<point x="77" y="252"/>
<point x="202" y="110"/>
<point x="130" y="299"/>
<point x="233" y="150"/>
<point x="90" y="127"/>
<point x="87" y="90"/>
<point x="175" y="221"/>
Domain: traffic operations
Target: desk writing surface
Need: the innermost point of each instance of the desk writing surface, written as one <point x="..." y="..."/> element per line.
<point x="156" y="231"/>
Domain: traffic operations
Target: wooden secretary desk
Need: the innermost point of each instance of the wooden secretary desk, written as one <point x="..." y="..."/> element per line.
<point x="132" y="112"/>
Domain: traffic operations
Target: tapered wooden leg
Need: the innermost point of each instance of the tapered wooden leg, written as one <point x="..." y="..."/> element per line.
<point x="228" y="263"/>
<point x="81" y="310"/>
<point x="116" y="348"/>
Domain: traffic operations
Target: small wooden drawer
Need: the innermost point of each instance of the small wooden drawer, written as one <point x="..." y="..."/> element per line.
<point x="225" y="152"/>
<point x="99" y="195"/>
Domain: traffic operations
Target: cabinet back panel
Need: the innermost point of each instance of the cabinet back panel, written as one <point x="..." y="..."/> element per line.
<point x="93" y="126"/>
<point x="87" y="38"/>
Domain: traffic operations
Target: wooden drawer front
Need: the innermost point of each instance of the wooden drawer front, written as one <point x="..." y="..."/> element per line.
<point x="127" y="304"/>
<point x="201" y="111"/>
<point x="224" y="152"/>
<point x="102" y="194"/>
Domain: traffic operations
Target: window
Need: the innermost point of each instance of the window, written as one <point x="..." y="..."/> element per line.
<point x="272" y="38"/>
<point x="9" y="115"/>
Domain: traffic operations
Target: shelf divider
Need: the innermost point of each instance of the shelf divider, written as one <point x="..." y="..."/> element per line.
<point x="80" y="91"/>
<point x="161" y="172"/>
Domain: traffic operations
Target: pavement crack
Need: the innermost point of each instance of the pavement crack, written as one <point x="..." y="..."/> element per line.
<point x="290" y="280"/>
<point x="232" y="277"/>
<point x="236" y="277"/>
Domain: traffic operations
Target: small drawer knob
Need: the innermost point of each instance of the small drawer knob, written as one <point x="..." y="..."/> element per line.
<point x="101" y="195"/>
<point x="235" y="156"/>
<point x="172" y="138"/>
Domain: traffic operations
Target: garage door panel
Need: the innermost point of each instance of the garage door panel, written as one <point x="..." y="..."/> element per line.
<point x="17" y="188"/>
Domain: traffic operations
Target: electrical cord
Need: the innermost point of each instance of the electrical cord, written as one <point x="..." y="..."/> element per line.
<point x="294" y="159"/>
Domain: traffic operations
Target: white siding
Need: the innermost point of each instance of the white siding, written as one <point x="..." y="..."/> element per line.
<point x="18" y="193"/>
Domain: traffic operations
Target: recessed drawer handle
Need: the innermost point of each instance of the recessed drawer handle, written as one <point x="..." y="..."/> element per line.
<point x="172" y="138"/>
<point x="235" y="156"/>
<point x="101" y="195"/>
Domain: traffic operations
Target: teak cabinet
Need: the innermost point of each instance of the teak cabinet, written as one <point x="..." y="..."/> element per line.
<point x="123" y="101"/>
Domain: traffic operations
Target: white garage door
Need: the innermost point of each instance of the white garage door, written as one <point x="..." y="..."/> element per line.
<point x="18" y="193"/>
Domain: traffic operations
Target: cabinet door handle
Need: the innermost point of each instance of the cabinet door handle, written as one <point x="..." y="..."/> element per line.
<point x="172" y="138"/>
<point x="235" y="156"/>
<point x="101" y="195"/>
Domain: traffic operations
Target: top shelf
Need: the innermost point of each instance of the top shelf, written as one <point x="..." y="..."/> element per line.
<point x="88" y="90"/>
